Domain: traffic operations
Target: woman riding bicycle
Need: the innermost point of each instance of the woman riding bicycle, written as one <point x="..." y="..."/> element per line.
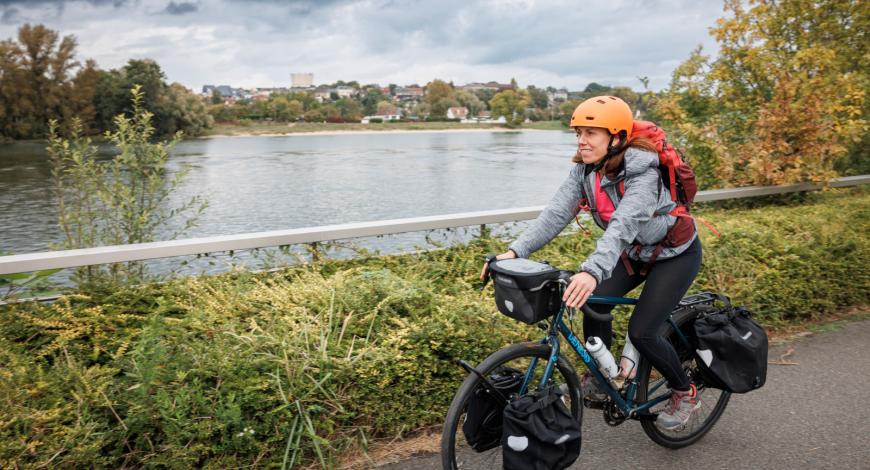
<point x="616" y="177"/>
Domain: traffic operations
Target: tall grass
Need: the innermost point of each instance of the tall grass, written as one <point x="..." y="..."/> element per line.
<point x="297" y="367"/>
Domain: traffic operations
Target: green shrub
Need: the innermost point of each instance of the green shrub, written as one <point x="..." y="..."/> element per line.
<point x="297" y="367"/>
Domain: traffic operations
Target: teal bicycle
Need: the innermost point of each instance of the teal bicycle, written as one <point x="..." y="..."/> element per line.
<point x="639" y="398"/>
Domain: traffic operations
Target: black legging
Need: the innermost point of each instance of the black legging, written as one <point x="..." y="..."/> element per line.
<point x="666" y="283"/>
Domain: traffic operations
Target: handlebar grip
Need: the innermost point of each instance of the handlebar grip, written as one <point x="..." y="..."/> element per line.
<point x="587" y="310"/>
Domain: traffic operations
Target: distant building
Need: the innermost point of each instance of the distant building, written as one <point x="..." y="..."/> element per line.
<point x="484" y="116"/>
<point x="382" y="117"/>
<point x="226" y="91"/>
<point x="261" y="94"/>
<point x="322" y="93"/>
<point x="558" y="96"/>
<point x="413" y="92"/>
<point x="460" y="112"/>
<point x="302" y="80"/>
<point x="495" y="86"/>
<point x="345" y="91"/>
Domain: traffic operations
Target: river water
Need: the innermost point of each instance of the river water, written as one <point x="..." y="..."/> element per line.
<point x="270" y="183"/>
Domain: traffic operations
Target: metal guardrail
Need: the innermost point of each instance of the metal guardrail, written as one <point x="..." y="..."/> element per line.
<point x="193" y="246"/>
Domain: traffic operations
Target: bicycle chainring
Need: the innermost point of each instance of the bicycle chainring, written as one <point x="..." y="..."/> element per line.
<point x="612" y="414"/>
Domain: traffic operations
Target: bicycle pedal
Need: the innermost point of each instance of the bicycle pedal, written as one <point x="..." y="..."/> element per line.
<point x="593" y="404"/>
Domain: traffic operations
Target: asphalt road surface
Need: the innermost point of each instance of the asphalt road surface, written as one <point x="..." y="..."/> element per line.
<point x="812" y="415"/>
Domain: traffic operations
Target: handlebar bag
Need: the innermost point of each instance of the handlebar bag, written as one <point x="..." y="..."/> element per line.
<point x="733" y="348"/>
<point x="539" y="433"/>
<point x="525" y="290"/>
<point x="483" y="416"/>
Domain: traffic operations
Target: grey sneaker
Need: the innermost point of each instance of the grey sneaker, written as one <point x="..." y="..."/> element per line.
<point x="679" y="409"/>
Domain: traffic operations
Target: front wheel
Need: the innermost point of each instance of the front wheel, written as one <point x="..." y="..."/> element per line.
<point x="651" y="385"/>
<point x="456" y="453"/>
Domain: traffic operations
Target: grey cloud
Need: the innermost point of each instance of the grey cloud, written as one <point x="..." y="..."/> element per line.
<point x="10" y="16"/>
<point x="180" y="8"/>
<point x="298" y="7"/>
<point x="562" y="41"/>
<point x="60" y="3"/>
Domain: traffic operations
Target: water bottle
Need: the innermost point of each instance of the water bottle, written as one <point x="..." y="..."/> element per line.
<point x="628" y="361"/>
<point x="602" y="356"/>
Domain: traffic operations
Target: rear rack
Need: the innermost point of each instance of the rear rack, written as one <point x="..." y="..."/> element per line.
<point x="702" y="298"/>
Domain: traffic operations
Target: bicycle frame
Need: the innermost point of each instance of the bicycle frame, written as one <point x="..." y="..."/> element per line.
<point x="558" y="326"/>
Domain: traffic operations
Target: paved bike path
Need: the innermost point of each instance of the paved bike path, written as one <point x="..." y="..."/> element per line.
<point x="812" y="415"/>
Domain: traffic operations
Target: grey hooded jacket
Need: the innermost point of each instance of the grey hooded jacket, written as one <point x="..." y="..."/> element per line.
<point x="642" y="215"/>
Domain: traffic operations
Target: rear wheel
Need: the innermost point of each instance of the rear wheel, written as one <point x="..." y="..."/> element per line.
<point x="456" y="453"/>
<point x="652" y="385"/>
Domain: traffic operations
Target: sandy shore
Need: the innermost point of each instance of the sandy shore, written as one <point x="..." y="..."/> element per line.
<point x="364" y="132"/>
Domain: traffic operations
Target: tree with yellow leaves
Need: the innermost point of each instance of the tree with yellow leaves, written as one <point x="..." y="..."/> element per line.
<point x="786" y="98"/>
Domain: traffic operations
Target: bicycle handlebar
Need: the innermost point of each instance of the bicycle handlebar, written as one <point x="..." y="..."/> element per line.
<point x="587" y="310"/>
<point x="565" y="278"/>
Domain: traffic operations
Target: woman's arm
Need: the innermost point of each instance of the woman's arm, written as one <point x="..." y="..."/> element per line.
<point x="553" y="219"/>
<point x="636" y="206"/>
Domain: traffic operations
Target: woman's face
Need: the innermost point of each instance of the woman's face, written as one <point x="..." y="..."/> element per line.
<point x="592" y="143"/>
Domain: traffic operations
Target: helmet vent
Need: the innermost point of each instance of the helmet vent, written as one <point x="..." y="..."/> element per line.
<point x="601" y="101"/>
<point x="590" y="118"/>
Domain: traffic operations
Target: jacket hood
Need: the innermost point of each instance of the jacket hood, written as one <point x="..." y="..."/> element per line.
<point x="637" y="161"/>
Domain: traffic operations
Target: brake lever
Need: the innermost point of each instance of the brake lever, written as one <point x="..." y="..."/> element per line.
<point x="486" y="277"/>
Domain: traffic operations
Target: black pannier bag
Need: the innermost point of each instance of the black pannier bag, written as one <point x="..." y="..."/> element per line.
<point x="539" y="433"/>
<point x="483" y="416"/>
<point x="733" y="347"/>
<point x="525" y="290"/>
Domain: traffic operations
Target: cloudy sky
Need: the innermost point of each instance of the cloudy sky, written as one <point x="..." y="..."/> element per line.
<point x="260" y="42"/>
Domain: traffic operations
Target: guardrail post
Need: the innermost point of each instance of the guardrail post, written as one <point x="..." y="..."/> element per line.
<point x="484" y="232"/>
<point x="314" y="249"/>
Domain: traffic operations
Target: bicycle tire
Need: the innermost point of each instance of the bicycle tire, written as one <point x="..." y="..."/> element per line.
<point x="455" y="455"/>
<point x="713" y="401"/>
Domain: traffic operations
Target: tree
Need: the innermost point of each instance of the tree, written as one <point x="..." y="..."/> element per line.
<point x="595" y="89"/>
<point x="470" y="101"/>
<point x="173" y="107"/>
<point x="216" y="97"/>
<point x="385" y="108"/>
<point x="787" y="96"/>
<point x="123" y="201"/>
<point x="370" y="100"/>
<point x="485" y="95"/>
<point x="538" y="97"/>
<point x="510" y="104"/>
<point x="41" y="80"/>
<point x="349" y="110"/>
<point x="439" y="96"/>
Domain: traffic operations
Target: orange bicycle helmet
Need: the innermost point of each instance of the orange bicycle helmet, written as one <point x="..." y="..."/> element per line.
<point x="608" y="112"/>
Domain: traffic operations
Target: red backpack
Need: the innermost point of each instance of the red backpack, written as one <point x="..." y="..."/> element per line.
<point x="679" y="179"/>
<point x="677" y="176"/>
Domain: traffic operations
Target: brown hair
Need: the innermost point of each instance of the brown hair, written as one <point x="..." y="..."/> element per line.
<point x="612" y="165"/>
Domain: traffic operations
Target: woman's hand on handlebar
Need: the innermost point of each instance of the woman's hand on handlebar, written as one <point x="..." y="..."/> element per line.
<point x="506" y="255"/>
<point x="579" y="289"/>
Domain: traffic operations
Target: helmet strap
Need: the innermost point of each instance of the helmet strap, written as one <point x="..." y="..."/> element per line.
<point x="612" y="149"/>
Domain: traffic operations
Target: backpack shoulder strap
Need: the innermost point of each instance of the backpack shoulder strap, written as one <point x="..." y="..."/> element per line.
<point x="620" y="187"/>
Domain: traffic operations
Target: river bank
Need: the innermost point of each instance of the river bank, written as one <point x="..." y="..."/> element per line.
<point x="272" y="129"/>
<point x="277" y="129"/>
